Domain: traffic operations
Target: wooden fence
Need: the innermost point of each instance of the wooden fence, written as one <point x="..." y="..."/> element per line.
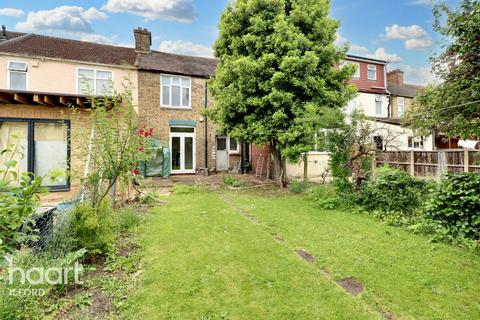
<point x="430" y="164"/>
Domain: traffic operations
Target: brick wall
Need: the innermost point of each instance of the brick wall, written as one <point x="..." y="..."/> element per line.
<point x="152" y="115"/>
<point x="79" y="126"/>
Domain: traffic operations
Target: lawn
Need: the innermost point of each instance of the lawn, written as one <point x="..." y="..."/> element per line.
<point x="232" y="255"/>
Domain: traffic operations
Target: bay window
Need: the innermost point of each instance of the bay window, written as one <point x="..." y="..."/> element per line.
<point x="94" y="82"/>
<point x="17" y="75"/>
<point x="175" y="92"/>
<point x="42" y="145"/>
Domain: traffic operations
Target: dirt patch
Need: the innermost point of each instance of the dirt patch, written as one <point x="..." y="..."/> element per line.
<point x="386" y="315"/>
<point x="351" y="285"/>
<point x="305" y="255"/>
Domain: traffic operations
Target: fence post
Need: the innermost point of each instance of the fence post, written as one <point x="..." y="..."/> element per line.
<point x="466" y="165"/>
<point x="442" y="164"/>
<point x="305" y="167"/>
<point x="412" y="163"/>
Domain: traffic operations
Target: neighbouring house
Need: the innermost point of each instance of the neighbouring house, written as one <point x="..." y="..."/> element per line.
<point x="40" y="78"/>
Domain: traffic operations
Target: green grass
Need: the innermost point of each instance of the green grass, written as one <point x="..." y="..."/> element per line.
<point x="204" y="260"/>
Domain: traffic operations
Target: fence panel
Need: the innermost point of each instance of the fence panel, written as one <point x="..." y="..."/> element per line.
<point x="430" y="164"/>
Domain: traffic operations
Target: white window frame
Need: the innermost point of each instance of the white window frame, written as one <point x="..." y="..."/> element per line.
<point x="356" y="75"/>
<point x="400" y="106"/>
<point x="182" y="136"/>
<point x="371" y="67"/>
<point x="94" y="79"/>
<point x="417" y="143"/>
<point x="378" y="98"/>
<point x="233" y="151"/>
<point x="9" y="71"/>
<point x="169" y="106"/>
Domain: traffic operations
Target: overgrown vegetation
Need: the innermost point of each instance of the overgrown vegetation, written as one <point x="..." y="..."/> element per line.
<point x="454" y="207"/>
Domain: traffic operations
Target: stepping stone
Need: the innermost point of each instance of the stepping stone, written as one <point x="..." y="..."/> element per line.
<point x="305" y="255"/>
<point x="351" y="285"/>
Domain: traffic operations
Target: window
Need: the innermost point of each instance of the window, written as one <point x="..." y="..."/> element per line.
<point x="17" y="75"/>
<point x="175" y="92"/>
<point x="356" y="75"/>
<point x="233" y="146"/>
<point x="378" y="142"/>
<point x="378" y="105"/>
<point x="44" y="145"/>
<point x="400" y="106"/>
<point x="416" y="142"/>
<point x="372" y="72"/>
<point x="96" y="82"/>
<point x="353" y="105"/>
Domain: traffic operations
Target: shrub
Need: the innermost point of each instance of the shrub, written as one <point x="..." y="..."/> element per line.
<point x="392" y="190"/>
<point x="127" y="220"/>
<point x="93" y="229"/>
<point x="325" y="197"/>
<point x="297" y="186"/>
<point x="454" y="207"/>
<point x="232" y="181"/>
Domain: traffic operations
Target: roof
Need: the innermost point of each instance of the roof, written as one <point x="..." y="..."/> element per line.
<point x="403" y="90"/>
<point x="177" y="64"/>
<point x="52" y="47"/>
<point x="353" y="57"/>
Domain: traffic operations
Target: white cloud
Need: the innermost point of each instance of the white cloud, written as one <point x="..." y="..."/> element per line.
<point x="64" y="18"/>
<point x="11" y="12"/>
<point x="176" y="10"/>
<point x="404" y="33"/>
<point x="423" y="2"/>
<point x="353" y="48"/>
<point x="418" y="43"/>
<point x="382" y="54"/>
<point x="186" y="48"/>
<point x="97" y="38"/>
<point x="415" y="75"/>
<point x="415" y="36"/>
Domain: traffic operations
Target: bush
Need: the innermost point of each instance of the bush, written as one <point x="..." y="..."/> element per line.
<point x="232" y="181"/>
<point x="297" y="186"/>
<point x="325" y="197"/>
<point x="454" y="207"/>
<point x="127" y="220"/>
<point x="93" y="229"/>
<point x="392" y="190"/>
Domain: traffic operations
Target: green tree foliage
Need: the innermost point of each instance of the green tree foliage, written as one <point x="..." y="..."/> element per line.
<point x="277" y="70"/>
<point x="452" y="106"/>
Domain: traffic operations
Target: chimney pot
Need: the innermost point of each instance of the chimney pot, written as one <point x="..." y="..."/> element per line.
<point x="143" y="39"/>
<point x="4" y="33"/>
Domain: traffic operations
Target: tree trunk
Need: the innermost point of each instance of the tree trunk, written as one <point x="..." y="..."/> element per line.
<point x="278" y="164"/>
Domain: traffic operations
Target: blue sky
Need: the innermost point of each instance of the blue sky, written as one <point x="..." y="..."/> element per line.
<point x="399" y="31"/>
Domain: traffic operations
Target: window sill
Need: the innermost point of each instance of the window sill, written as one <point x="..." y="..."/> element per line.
<point x="59" y="189"/>
<point x="176" y="108"/>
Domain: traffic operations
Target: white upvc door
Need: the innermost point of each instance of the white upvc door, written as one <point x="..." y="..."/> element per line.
<point x="222" y="153"/>
<point x="182" y="148"/>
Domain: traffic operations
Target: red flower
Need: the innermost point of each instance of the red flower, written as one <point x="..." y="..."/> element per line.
<point x="136" y="172"/>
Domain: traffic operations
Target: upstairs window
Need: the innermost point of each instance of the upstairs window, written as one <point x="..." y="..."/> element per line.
<point x="17" y="75"/>
<point x="175" y="92"/>
<point x="356" y="75"/>
<point x="416" y="142"/>
<point x="400" y="106"/>
<point x="94" y="82"/>
<point x="378" y="105"/>
<point x="372" y="72"/>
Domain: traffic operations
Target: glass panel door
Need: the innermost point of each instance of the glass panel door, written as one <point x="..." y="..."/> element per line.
<point x="188" y="144"/>
<point x="176" y="153"/>
<point x="14" y="136"/>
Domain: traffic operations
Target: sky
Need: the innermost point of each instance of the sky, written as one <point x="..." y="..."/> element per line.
<point x="399" y="31"/>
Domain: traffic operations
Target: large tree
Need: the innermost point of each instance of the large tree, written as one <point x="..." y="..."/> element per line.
<point x="452" y="106"/>
<point x="277" y="70"/>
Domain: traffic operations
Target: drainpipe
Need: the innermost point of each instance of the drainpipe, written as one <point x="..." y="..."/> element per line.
<point x="206" y="129"/>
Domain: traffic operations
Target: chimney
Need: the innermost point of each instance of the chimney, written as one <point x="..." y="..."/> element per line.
<point x="3" y="36"/>
<point x="395" y="76"/>
<point x="143" y="40"/>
